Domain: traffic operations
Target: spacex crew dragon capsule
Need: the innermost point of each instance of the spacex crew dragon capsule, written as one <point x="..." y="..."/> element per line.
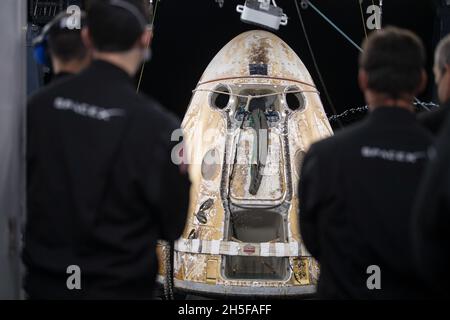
<point x="252" y="116"/>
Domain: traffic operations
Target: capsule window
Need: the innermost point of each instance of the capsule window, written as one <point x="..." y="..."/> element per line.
<point x="210" y="165"/>
<point x="295" y="100"/>
<point x="218" y="99"/>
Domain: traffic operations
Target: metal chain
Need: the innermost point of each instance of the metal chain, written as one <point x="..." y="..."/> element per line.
<point x="348" y="112"/>
<point x="363" y="110"/>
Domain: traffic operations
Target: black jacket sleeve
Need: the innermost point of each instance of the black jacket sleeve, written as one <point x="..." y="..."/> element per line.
<point x="310" y="193"/>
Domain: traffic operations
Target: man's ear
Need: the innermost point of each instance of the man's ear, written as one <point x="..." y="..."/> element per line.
<point x="86" y="38"/>
<point x="146" y="38"/>
<point x="363" y="80"/>
<point x="446" y="69"/>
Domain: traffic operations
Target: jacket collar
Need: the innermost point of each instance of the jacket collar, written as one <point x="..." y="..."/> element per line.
<point x="109" y="70"/>
<point x="392" y="115"/>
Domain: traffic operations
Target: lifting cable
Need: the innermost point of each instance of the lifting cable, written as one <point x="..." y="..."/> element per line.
<point x="362" y="17"/>
<point x="308" y="2"/>
<point x="320" y="13"/>
<point x="148" y="45"/>
<point x="316" y="66"/>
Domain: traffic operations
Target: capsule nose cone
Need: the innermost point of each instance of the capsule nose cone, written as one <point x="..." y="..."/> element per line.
<point x="256" y="53"/>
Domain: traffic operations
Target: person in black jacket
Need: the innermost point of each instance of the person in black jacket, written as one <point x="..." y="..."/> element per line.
<point x="431" y="220"/>
<point x="435" y="119"/>
<point x="102" y="186"/>
<point x="356" y="188"/>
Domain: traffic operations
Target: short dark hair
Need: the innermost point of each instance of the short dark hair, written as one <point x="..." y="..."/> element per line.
<point x="112" y="28"/>
<point x="394" y="59"/>
<point x="67" y="45"/>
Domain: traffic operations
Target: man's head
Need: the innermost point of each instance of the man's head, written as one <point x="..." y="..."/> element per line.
<point x="442" y="69"/>
<point x="118" y="31"/>
<point x="61" y="45"/>
<point x="392" y="68"/>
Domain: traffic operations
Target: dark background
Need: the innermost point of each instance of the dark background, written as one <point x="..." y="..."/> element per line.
<point x="189" y="33"/>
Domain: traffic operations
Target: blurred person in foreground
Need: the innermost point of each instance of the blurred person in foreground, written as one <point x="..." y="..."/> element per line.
<point x="102" y="187"/>
<point x="357" y="187"/>
<point x="434" y="120"/>
<point x="431" y="221"/>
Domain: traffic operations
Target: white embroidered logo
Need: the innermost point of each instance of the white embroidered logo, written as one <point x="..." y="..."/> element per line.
<point x="392" y="155"/>
<point x="87" y="110"/>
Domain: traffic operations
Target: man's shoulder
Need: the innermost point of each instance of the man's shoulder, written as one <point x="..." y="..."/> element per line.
<point x="433" y="120"/>
<point x="435" y="113"/>
<point x="46" y="93"/>
<point x="342" y="139"/>
<point x="150" y="120"/>
<point x="149" y="109"/>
